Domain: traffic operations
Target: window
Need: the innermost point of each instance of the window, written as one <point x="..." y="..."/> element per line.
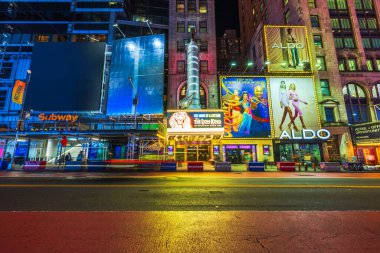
<point x="181" y="46"/>
<point x="311" y="3"/>
<point x="376" y="93"/>
<point x="337" y="4"/>
<point x="3" y="99"/>
<point x="378" y="65"/>
<point x="335" y="23"/>
<point x="338" y="42"/>
<point x="330" y="114"/>
<point x="181" y="26"/>
<point x="191" y="6"/>
<point x="287" y="17"/>
<point x="325" y="87"/>
<point x="321" y="63"/>
<point x="42" y="38"/>
<point x="341" y="65"/>
<point x="376" y="43"/>
<point x="286" y="2"/>
<point x="202" y="6"/>
<point x="352" y="66"/>
<point x="363" y="4"/>
<point x="369" y="64"/>
<point x="203" y="26"/>
<point x="318" y="41"/>
<point x="180" y="6"/>
<point x="314" y="21"/>
<point x="356" y="103"/>
<point x="191" y="25"/>
<point x="371" y="23"/>
<point x="6" y="69"/>
<point x="204" y="46"/>
<point x="181" y="67"/>
<point x="345" y="23"/>
<point x="349" y="42"/>
<point x="204" y="66"/>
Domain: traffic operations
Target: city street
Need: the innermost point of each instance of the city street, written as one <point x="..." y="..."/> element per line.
<point x="190" y="212"/>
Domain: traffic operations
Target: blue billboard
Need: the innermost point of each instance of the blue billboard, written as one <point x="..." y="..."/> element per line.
<point x="137" y="76"/>
<point x="246" y="108"/>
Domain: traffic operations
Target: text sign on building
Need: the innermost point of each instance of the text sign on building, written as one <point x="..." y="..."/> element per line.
<point x="367" y="133"/>
<point x="287" y="49"/>
<point x="58" y="117"/>
<point x="195" y="121"/>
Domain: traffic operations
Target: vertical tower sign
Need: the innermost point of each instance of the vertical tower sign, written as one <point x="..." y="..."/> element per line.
<point x="192" y="94"/>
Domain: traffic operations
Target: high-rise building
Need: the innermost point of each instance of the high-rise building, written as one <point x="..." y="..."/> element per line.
<point x="228" y="49"/>
<point x="345" y="46"/>
<point x="189" y="18"/>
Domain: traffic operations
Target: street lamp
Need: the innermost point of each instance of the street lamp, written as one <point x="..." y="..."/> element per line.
<point x="233" y="64"/>
<point x="118" y="28"/>
<point x="22" y="117"/>
<point x="249" y="64"/>
<point x="148" y="24"/>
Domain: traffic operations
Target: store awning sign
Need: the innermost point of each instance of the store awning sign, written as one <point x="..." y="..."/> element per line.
<point x="305" y="134"/>
<point x="58" y="117"/>
<point x="367" y="133"/>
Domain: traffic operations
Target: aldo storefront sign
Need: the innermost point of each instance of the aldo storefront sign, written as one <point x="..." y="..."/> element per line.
<point x="305" y="134"/>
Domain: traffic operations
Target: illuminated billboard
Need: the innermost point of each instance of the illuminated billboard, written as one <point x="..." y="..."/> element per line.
<point x="66" y="77"/>
<point x="246" y="108"/>
<point x="287" y="49"/>
<point x="294" y="107"/>
<point x="206" y="121"/>
<point x="137" y="76"/>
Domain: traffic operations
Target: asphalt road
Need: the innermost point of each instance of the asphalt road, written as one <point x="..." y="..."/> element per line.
<point x="189" y="214"/>
<point x="188" y="194"/>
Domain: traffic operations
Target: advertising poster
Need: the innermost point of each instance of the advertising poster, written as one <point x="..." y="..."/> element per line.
<point x="368" y="133"/>
<point x="293" y="105"/>
<point x="246" y="108"/>
<point x="136" y="81"/>
<point x="195" y="121"/>
<point x="287" y="49"/>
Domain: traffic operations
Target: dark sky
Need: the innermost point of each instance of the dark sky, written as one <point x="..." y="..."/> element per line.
<point x="227" y="16"/>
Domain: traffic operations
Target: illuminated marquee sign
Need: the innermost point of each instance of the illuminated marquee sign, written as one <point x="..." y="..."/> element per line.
<point x="58" y="117"/>
<point x="195" y="121"/>
<point x="369" y="133"/>
<point x="306" y="134"/>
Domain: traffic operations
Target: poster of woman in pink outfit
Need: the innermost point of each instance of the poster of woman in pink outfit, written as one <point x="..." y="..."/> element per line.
<point x="296" y="108"/>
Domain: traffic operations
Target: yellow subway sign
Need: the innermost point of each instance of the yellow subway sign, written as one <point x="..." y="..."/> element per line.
<point x="58" y="117"/>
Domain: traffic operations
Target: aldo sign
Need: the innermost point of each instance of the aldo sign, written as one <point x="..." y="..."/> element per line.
<point x="305" y="134"/>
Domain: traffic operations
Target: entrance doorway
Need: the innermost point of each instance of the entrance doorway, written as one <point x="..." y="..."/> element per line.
<point x="197" y="153"/>
<point x="241" y="153"/>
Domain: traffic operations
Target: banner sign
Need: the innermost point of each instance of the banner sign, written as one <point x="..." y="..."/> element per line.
<point x="58" y="117"/>
<point x="195" y="121"/>
<point x="367" y="133"/>
<point x="18" y="92"/>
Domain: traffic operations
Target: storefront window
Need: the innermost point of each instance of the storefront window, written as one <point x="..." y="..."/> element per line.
<point x="295" y="152"/>
<point x="240" y="153"/>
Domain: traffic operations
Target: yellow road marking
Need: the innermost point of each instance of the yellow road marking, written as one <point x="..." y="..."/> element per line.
<point x="184" y="186"/>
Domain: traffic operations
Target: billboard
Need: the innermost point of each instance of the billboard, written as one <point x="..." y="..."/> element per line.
<point x="368" y="133"/>
<point x="287" y="49"/>
<point x="294" y="105"/>
<point x="66" y="77"/>
<point x="137" y="76"/>
<point x="246" y="108"/>
<point x="194" y="121"/>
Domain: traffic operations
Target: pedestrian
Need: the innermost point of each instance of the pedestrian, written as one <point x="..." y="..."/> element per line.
<point x="80" y="156"/>
<point x="68" y="157"/>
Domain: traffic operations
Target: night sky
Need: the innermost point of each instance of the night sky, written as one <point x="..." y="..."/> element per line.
<point x="227" y="16"/>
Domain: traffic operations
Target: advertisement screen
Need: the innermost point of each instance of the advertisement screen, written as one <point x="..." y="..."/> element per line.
<point x="246" y="108"/>
<point x="195" y="121"/>
<point x="137" y="76"/>
<point x="287" y="49"/>
<point x="294" y="105"/>
<point x="66" y="77"/>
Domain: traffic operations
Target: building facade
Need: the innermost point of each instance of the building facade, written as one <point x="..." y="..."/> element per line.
<point x="24" y="23"/>
<point x="189" y="18"/>
<point x="344" y="37"/>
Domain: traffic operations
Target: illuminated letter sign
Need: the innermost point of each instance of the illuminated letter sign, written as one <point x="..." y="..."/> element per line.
<point x="307" y="134"/>
<point x="58" y="117"/>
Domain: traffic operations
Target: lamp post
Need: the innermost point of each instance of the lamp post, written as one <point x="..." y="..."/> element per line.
<point x="233" y="64"/>
<point x="22" y="117"/>
<point x="148" y="24"/>
<point x="118" y="28"/>
<point x="249" y="64"/>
